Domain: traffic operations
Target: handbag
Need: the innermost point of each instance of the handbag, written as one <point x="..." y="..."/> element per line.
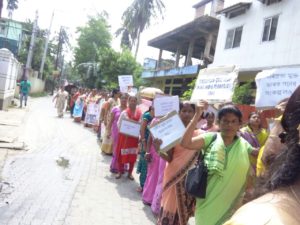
<point x="196" y="179"/>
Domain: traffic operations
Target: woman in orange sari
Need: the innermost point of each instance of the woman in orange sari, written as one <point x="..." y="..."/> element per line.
<point x="176" y="205"/>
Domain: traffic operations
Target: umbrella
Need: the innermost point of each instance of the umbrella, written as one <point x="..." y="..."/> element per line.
<point x="69" y="87"/>
<point x="150" y="92"/>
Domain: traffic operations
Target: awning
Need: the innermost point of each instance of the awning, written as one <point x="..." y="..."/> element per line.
<point x="198" y="28"/>
<point x="236" y="9"/>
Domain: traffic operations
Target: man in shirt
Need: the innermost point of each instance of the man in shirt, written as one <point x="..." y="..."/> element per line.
<point x="24" y="90"/>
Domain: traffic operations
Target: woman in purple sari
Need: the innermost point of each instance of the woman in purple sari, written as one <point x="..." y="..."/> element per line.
<point x="114" y="132"/>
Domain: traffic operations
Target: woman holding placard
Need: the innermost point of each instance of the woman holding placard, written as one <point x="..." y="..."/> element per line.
<point x="106" y="146"/>
<point x="227" y="160"/>
<point x="176" y="205"/>
<point x="127" y="145"/>
<point x="113" y="131"/>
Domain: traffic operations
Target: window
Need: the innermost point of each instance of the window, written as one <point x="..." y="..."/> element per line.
<point x="2" y="29"/>
<point x="234" y="37"/>
<point x="167" y="90"/>
<point x="177" y="81"/>
<point x="176" y="91"/>
<point x="270" y="28"/>
<point x="168" y="81"/>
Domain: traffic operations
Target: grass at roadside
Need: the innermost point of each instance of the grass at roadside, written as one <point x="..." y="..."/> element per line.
<point x="37" y="95"/>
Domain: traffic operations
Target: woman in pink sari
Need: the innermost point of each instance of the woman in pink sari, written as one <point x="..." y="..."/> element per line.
<point x="113" y="131"/>
<point x="152" y="158"/>
<point x="176" y="205"/>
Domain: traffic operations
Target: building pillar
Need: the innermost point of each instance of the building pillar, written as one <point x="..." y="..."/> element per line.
<point x="214" y="7"/>
<point x="208" y="44"/>
<point x="159" y="59"/>
<point x="190" y="53"/>
<point x="178" y="53"/>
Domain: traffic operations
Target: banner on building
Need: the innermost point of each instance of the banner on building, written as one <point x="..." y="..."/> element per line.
<point x="215" y="85"/>
<point x="275" y="85"/>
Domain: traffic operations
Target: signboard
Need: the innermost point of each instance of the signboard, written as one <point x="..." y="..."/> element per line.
<point x="215" y="85"/>
<point x="275" y="85"/>
<point x="170" y="130"/>
<point x="92" y="114"/>
<point x="125" y="80"/>
<point x="165" y="104"/>
<point x="130" y="128"/>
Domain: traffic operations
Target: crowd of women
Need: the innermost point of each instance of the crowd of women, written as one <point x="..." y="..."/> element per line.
<point x="244" y="160"/>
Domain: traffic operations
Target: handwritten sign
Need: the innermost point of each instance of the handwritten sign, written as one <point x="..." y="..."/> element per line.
<point x="165" y="104"/>
<point x="170" y="130"/>
<point x="125" y="80"/>
<point x="215" y="87"/>
<point x="275" y="85"/>
<point x="92" y="114"/>
<point x="130" y="128"/>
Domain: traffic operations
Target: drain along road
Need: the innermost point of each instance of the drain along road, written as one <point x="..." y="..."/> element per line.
<point x="63" y="178"/>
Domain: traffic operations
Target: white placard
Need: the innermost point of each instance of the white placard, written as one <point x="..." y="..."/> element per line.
<point x="215" y="87"/>
<point x="275" y="85"/>
<point x="125" y="80"/>
<point x="165" y="104"/>
<point x="92" y="114"/>
<point x="130" y="128"/>
<point x="170" y="130"/>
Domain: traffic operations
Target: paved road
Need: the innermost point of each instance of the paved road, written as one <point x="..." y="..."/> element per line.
<point x="64" y="179"/>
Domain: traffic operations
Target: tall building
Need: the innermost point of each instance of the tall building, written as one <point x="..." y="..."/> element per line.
<point x="257" y="35"/>
<point x="195" y="41"/>
<point x="11" y="35"/>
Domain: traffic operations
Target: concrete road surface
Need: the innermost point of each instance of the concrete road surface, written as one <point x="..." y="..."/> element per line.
<point x="63" y="178"/>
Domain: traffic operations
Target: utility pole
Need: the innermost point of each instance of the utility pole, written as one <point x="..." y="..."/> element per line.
<point x="59" y="47"/>
<point x="46" y="48"/>
<point x="30" y="51"/>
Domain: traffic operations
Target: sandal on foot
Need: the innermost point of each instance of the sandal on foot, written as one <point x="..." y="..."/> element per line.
<point x="130" y="177"/>
<point x="118" y="176"/>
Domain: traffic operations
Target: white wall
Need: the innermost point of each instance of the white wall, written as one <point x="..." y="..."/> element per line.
<point x="253" y="53"/>
<point x="37" y="85"/>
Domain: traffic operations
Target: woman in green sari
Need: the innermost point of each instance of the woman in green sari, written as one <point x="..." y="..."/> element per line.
<point x="227" y="160"/>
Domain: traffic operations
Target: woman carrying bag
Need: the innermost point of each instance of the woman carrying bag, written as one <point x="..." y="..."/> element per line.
<point x="227" y="161"/>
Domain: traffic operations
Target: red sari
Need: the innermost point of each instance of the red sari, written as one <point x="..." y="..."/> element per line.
<point x="127" y="146"/>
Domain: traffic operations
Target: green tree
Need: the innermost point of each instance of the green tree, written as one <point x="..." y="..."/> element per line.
<point x="188" y="93"/>
<point x="38" y="50"/>
<point x="93" y="37"/>
<point x="113" y="64"/>
<point x="137" y="18"/>
<point x="125" y="38"/>
<point x="243" y="94"/>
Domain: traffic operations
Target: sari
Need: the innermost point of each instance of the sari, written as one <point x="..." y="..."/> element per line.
<point x="78" y="109"/>
<point x="152" y="174"/>
<point x="256" y="141"/>
<point x="176" y="205"/>
<point x="61" y="98"/>
<point x="116" y="111"/>
<point x="228" y="168"/>
<point x="127" y="146"/>
<point x="155" y="206"/>
<point x="107" y="143"/>
<point x="142" y="164"/>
